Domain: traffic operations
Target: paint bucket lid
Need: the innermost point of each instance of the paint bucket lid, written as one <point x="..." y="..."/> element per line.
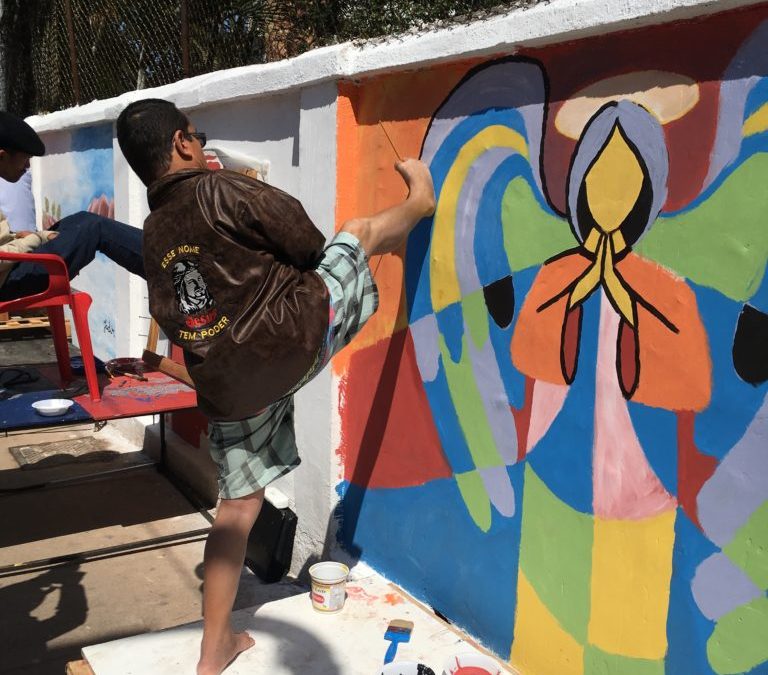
<point x="329" y="572"/>
<point x="472" y="663"/>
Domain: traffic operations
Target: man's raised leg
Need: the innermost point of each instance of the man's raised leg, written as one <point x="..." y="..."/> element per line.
<point x="385" y="231"/>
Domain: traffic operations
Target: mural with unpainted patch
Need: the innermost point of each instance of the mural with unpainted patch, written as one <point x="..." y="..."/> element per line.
<point x="79" y="176"/>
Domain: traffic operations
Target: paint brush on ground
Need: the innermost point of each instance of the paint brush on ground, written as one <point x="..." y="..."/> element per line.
<point x="398" y="631"/>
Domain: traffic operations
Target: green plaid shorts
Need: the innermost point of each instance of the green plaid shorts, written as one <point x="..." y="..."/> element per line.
<point x="253" y="452"/>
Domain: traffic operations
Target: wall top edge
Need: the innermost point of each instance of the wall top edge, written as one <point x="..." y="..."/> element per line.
<point x="541" y="24"/>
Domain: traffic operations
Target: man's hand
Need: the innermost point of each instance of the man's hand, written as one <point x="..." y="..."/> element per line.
<point x="45" y="235"/>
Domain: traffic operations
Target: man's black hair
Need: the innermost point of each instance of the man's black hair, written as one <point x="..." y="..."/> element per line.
<point x="145" y="132"/>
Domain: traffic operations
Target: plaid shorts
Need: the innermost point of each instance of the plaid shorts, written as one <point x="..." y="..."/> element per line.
<point x="253" y="452"/>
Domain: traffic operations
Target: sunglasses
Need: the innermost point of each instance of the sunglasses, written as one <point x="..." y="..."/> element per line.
<point x="199" y="135"/>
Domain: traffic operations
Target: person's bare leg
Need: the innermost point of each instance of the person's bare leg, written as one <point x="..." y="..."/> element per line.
<point x="385" y="231"/>
<point x="223" y="562"/>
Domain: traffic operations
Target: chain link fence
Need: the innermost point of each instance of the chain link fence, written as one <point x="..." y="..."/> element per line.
<point x="59" y="53"/>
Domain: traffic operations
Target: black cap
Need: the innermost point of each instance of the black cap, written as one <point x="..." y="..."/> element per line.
<point x="16" y="134"/>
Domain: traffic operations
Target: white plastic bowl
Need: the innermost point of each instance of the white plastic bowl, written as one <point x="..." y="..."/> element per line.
<point x="53" y="406"/>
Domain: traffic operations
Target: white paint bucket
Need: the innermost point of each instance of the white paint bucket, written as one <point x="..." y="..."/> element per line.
<point x="329" y="586"/>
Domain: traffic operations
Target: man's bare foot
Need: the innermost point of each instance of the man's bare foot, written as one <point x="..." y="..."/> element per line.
<point x="421" y="190"/>
<point x="214" y="660"/>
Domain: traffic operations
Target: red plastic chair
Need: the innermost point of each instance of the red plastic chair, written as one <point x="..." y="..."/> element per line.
<point x="53" y="299"/>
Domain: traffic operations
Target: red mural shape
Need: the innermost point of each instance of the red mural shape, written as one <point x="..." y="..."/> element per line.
<point x="390" y="440"/>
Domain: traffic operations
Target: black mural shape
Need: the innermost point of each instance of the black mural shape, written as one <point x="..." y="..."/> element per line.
<point x="500" y="301"/>
<point x="750" y="346"/>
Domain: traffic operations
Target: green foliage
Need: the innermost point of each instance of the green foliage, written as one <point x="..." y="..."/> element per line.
<point x="121" y="45"/>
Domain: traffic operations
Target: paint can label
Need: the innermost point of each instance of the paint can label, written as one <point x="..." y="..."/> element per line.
<point x="328" y="597"/>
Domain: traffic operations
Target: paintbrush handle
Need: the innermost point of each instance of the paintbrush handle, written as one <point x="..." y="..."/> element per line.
<point x="391" y="651"/>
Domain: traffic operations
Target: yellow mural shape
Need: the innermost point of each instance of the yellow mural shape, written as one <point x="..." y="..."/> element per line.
<point x="541" y="646"/>
<point x="757" y="121"/>
<point x="613" y="183"/>
<point x="631" y="573"/>
<point x="667" y="96"/>
<point x="443" y="277"/>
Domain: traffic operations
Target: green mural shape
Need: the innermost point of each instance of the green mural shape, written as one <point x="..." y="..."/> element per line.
<point x="531" y="235"/>
<point x="739" y="642"/>
<point x="749" y="548"/>
<point x="556" y="555"/>
<point x="729" y="227"/>
<point x="476" y="317"/>
<point x="476" y="498"/>
<point x="598" y="662"/>
<point x="469" y="407"/>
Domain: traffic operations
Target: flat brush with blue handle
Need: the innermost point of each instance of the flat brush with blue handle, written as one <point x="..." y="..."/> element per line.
<point x="398" y="631"/>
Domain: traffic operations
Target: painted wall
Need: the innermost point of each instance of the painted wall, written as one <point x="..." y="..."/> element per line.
<point x="76" y="174"/>
<point x="555" y="431"/>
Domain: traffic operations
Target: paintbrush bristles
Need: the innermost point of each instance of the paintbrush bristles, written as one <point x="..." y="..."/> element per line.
<point x="400" y="626"/>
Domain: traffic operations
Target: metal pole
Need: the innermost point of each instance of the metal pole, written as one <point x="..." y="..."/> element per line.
<point x="2" y="65"/>
<point x="185" y="37"/>
<point x="72" y="50"/>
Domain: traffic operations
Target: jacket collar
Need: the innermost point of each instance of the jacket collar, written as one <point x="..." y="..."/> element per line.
<point x="159" y="192"/>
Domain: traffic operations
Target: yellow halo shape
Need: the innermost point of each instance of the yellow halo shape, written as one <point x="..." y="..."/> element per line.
<point x="667" y="96"/>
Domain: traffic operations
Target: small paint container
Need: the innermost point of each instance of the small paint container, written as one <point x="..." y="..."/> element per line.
<point x="329" y="586"/>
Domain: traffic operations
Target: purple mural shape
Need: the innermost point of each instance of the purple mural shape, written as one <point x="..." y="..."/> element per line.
<point x="719" y="587"/>
<point x="746" y="71"/>
<point x="740" y="484"/>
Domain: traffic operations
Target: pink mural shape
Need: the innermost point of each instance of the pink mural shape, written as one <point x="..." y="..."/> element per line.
<point x="625" y="485"/>
<point x="548" y="400"/>
<point x="102" y="206"/>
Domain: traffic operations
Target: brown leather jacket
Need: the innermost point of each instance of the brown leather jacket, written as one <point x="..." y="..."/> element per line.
<point x="229" y="263"/>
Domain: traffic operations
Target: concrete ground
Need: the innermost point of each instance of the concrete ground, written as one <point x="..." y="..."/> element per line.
<point x="49" y="614"/>
<point x="291" y="638"/>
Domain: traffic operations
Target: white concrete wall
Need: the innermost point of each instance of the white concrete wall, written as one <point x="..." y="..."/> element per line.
<point x="286" y="113"/>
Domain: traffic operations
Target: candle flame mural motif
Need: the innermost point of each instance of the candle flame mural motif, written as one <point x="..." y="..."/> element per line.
<point x="586" y="319"/>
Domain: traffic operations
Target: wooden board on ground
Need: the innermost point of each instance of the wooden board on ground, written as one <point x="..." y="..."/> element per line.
<point x="79" y="668"/>
<point x="28" y="323"/>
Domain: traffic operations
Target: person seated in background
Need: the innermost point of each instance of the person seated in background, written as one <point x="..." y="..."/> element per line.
<point x="76" y="238"/>
<point x="17" y="203"/>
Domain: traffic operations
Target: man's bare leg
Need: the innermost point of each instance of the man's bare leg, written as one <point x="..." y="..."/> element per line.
<point x="223" y="562"/>
<point x="385" y="231"/>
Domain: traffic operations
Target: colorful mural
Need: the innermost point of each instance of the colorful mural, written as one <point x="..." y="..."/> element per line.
<point x="555" y="431"/>
<point x="80" y="177"/>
